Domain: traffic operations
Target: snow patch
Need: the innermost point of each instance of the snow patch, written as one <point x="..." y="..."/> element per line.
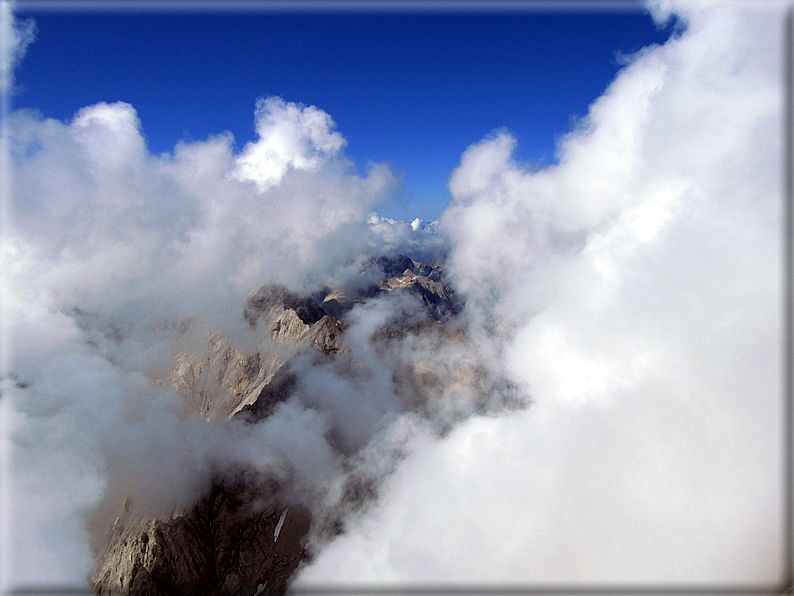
<point x="280" y="524"/>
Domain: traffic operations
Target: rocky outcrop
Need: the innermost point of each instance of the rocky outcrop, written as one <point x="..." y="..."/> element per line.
<point x="274" y="298"/>
<point x="263" y="400"/>
<point x="226" y="382"/>
<point x="245" y="535"/>
<point x="240" y="537"/>
<point x="215" y="384"/>
<point x="222" y="381"/>
<point x="425" y="282"/>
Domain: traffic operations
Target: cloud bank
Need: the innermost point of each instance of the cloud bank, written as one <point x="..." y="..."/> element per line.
<point x="119" y="261"/>
<point x="632" y="290"/>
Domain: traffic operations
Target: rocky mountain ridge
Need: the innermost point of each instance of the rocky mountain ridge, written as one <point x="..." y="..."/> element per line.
<point x="247" y="534"/>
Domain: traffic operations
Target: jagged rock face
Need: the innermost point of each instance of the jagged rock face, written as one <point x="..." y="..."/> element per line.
<point x="264" y="400"/>
<point x="243" y="535"/>
<point x="326" y="335"/>
<point x="271" y="297"/>
<point x="215" y="385"/>
<point x="226" y="381"/>
<point x="229" y="382"/>
<point x="426" y="282"/>
<point x="289" y="327"/>
<point x="337" y="303"/>
<point x="239" y="537"/>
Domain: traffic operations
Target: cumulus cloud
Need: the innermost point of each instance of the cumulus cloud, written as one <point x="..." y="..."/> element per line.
<point x="290" y="136"/>
<point x="120" y="260"/>
<point x="92" y="199"/>
<point x="120" y="263"/>
<point x="633" y="290"/>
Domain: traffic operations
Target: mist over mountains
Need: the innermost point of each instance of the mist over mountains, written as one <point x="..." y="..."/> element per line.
<point x="573" y="376"/>
<point x="353" y="359"/>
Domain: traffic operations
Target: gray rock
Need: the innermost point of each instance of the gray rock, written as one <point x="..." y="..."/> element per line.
<point x="246" y="535"/>
<point x="273" y="296"/>
<point x="213" y="385"/>
<point x="426" y="282"/>
<point x="223" y="545"/>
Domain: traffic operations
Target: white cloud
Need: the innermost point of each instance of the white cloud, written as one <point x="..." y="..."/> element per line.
<point x="290" y="136"/>
<point x="113" y="251"/>
<point x="15" y="37"/>
<point x="106" y="214"/>
<point x="138" y="243"/>
<point x="633" y="290"/>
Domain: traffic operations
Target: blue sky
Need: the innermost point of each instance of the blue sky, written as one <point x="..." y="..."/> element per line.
<point x="413" y="90"/>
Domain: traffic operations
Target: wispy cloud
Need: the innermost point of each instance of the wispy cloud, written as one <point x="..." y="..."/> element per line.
<point x="15" y="37"/>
